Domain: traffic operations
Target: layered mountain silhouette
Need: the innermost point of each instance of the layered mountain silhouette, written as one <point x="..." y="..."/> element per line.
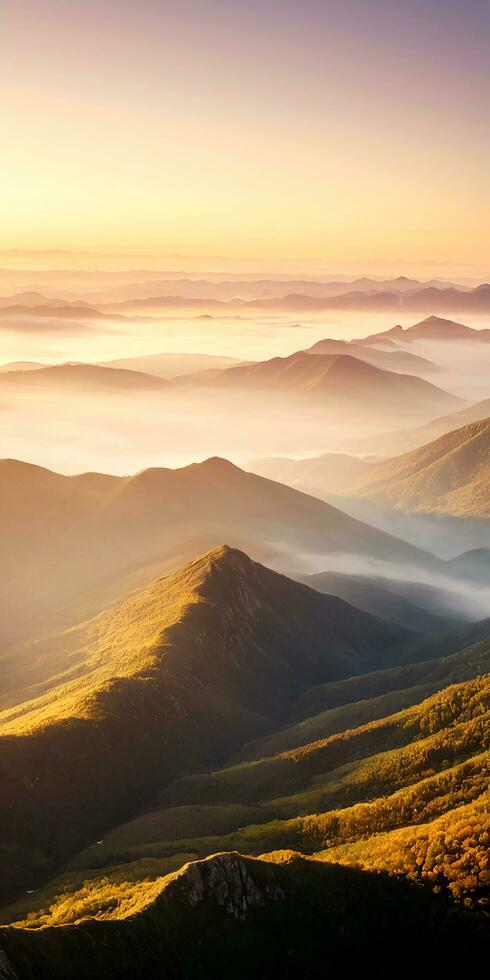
<point x="172" y="365"/>
<point x="82" y="377"/>
<point x="304" y="298"/>
<point x="448" y="476"/>
<point x="65" y="311"/>
<point x="344" y="383"/>
<point x="66" y="537"/>
<point x="432" y="328"/>
<point x="401" y="361"/>
<point x="255" y="288"/>
<point x="392" y="599"/>
<point x="37" y="301"/>
<point x="430" y="298"/>
<point x="473" y="564"/>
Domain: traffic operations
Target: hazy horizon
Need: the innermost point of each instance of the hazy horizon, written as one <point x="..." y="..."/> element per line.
<point x="244" y="488"/>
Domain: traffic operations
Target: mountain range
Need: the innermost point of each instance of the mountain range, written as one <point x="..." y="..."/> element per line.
<point x="268" y="757"/>
<point x="169" y="366"/>
<point x="432" y="328"/>
<point x="304" y="299"/>
<point x="174" y="677"/>
<point x="339" y="381"/>
<point x="401" y="361"/>
<point x="224" y="713"/>
<point x="66" y="539"/>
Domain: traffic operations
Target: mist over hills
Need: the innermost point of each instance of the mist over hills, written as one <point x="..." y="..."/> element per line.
<point x="432" y="328"/>
<point x="85" y="377"/>
<point x="37" y="301"/>
<point x="393" y="443"/>
<point x="392" y="599"/>
<point x="253" y="288"/>
<point x="172" y="365"/>
<point x="330" y="473"/>
<point x="202" y="759"/>
<point x="67" y="536"/>
<point x="392" y="360"/>
<point x="343" y="382"/>
<point x="449" y="476"/>
<point x="303" y="298"/>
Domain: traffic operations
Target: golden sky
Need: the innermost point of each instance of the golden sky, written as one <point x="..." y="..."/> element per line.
<point x="276" y="128"/>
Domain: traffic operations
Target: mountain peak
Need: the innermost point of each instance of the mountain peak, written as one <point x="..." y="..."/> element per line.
<point x="217" y="463"/>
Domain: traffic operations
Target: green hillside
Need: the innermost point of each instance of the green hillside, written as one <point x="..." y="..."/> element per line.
<point x="229" y="711"/>
<point x="173" y="678"/>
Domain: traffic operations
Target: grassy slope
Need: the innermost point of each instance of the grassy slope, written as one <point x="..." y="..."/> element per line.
<point x="175" y="678"/>
<point x="406" y="793"/>
<point x="412" y="767"/>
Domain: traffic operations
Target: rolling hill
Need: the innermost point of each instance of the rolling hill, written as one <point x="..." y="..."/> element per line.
<point x="80" y="377"/>
<point x="353" y="388"/>
<point x="175" y="677"/>
<point x="378" y="770"/>
<point x="448" y="476"/>
<point x="474" y="564"/>
<point x="36" y="300"/>
<point x="63" y="537"/>
<point x="169" y="366"/>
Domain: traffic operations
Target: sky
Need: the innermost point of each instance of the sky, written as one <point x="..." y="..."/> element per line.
<point x="355" y="129"/>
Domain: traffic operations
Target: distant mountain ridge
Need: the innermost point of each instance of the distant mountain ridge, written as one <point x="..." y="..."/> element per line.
<point x="84" y="377"/>
<point x="305" y="298"/>
<point x="392" y="360"/>
<point x="432" y="328"/>
<point x="351" y="386"/>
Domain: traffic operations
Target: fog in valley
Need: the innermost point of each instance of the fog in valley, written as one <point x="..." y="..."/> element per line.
<point x="119" y="431"/>
<point x="98" y="376"/>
